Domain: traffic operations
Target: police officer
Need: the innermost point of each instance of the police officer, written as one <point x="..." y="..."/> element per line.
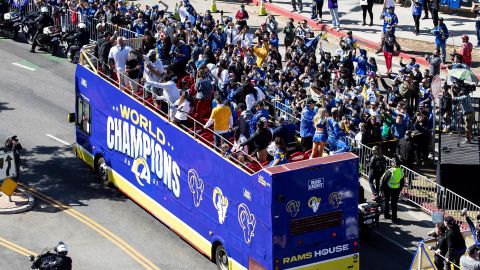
<point x="392" y="183"/>
<point x="44" y="20"/>
<point x="81" y="37"/>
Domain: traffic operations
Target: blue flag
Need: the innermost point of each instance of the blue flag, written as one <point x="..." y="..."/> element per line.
<point x="311" y="44"/>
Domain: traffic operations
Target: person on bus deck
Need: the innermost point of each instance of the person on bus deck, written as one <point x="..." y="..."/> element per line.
<point x="474" y="229"/>
<point x="440" y="246"/>
<point x="132" y="69"/>
<point x="183" y="107"/>
<point x="280" y="154"/>
<point x="260" y="140"/>
<point x="307" y="129"/>
<point x="170" y="91"/>
<point x="222" y="120"/>
<point x="152" y="72"/>
<point x="117" y="58"/>
<point x="320" y="136"/>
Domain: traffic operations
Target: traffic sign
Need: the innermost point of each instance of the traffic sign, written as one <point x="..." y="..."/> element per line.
<point x="7" y="165"/>
<point x="8" y="187"/>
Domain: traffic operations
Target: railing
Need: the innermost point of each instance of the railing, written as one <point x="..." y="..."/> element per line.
<point x="424" y="258"/>
<point x="87" y="59"/>
<point x="419" y="190"/>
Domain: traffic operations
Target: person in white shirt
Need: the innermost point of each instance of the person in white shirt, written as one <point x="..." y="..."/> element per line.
<point x="117" y="59"/>
<point x="245" y="38"/>
<point x="152" y="72"/>
<point x="182" y="106"/>
<point x="170" y="91"/>
<point x="231" y="32"/>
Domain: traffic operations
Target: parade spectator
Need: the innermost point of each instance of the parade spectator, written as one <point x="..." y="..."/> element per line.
<point x="470" y="261"/>
<point x="440" y="246"/>
<point x="434" y="8"/>
<point x="455" y="242"/>
<point x="474" y="229"/>
<point x="296" y="3"/>
<point x="317" y="10"/>
<point x="476" y="10"/>
<point x="389" y="45"/>
<point x="406" y="150"/>
<point x="390" y="19"/>
<point x="466" y="51"/>
<point x="289" y="31"/>
<point x="417" y="13"/>
<point x="242" y="16"/>
<point x="333" y="7"/>
<point x="466" y="108"/>
<point x="441" y="35"/>
<point x="367" y="6"/>
<point x="434" y="63"/>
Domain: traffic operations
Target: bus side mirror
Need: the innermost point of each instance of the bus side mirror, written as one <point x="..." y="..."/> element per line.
<point x="71" y="118"/>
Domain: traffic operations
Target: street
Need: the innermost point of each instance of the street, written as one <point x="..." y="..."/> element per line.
<point x="103" y="228"/>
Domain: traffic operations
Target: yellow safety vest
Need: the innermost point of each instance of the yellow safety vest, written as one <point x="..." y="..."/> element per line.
<point x="396" y="174"/>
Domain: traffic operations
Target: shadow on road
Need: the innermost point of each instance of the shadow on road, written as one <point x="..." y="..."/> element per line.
<point x="54" y="172"/>
<point x="4" y="106"/>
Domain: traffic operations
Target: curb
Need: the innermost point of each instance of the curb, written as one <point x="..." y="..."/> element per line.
<point x="29" y="205"/>
<point x="326" y="28"/>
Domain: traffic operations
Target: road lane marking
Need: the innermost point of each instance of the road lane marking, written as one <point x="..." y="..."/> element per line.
<point x="147" y="264"/>
<point x="57" y="139"/>
<point x="14" y="247"/>
<point x="26" y="65"/>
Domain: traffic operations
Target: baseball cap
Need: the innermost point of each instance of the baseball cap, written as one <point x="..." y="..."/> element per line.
<point x="310" y="101"/>
<point x="472" y="249"/>
<point x="440" y="18"/>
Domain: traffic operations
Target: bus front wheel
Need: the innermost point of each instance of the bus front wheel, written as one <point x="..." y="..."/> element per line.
<point x="221" y="258"/>
<point x="102" y="171"/>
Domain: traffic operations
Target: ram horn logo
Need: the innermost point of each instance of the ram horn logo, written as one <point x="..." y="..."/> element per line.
<point x="221" y="204"/>
<point x="335" y="199"/>
<point x="196" y="186"/>
<point x="314" y="203"/>
<point x="293" y="207"/>
<point x="247" y="222"/>
<point x="145" y="172"/>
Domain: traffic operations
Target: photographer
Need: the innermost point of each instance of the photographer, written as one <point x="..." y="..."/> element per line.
<point x="12" y="144"/>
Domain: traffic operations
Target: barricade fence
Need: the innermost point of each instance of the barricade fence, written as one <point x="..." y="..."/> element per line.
<point x="68" y="19"/>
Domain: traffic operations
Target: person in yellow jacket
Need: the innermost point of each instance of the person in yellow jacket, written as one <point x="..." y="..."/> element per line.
<point x="261" y="52"/>
<point x="392" y="184"/>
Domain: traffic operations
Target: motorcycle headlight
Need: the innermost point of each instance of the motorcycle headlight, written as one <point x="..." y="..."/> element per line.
<point x="7" y="16"/>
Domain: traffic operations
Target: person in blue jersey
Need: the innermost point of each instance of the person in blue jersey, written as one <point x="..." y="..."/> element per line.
<point x="441" y="35"/>
<point x="417" y="13"/>
<point x="140" y="25"/>
<point x="307" y="130"/>
<point x="181" y="54"/>
<point x="390" y="18"/>
<point x="321" y="133"/>
<point x="335" y="133"/>
<point x="260" y="112"/>
<point x="424" y="94"/>
<point x="280" y="154"/>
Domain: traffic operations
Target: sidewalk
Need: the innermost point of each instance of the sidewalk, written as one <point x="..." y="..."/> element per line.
<point x="21" y="201"/>
<point x="351" y="18"/>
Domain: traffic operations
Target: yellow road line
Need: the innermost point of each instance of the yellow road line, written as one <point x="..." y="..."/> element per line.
<point x="14" y="247"/>
<point x="147" y="264"/>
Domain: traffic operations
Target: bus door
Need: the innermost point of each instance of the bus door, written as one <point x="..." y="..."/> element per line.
<point x="83" y="122"/>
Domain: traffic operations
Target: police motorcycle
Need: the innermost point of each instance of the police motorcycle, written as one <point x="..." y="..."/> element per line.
<point x="29" y="26"/>
<point x="73" y="41"/>
<point x="369" y="213"/>
<point x="49" y="40"/>
<point x="50" y="259"/>
<point x="10" y="26"/>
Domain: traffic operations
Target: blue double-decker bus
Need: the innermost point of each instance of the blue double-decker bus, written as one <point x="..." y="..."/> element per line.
<point x="300" y="215"/>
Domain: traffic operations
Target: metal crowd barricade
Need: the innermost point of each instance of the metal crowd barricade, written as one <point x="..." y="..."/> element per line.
<point x="419" y="190"/>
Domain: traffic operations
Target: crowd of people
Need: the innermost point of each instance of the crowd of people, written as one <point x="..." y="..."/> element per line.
<point x="237" y="83"/>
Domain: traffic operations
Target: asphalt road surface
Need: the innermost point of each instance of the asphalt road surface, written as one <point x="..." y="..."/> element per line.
<point x="103" y="228"/>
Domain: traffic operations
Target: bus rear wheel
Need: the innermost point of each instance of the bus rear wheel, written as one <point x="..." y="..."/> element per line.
<point x="221" y="258"/>
<point x="102" y="171"/>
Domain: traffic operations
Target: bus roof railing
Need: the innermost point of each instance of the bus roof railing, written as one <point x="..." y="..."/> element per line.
<point x="87" y="59"/>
